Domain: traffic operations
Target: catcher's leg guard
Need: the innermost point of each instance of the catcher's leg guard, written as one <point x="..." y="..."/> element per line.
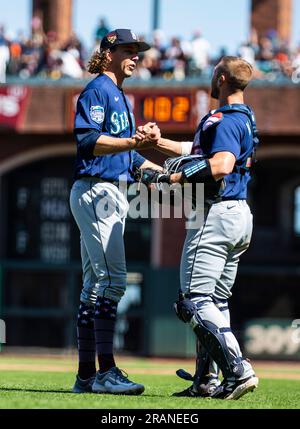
<point x="185" y="309"/>
<point x="212" y="338"/>
<point x="202" y="364"/>
<point x="201" y="370"/>
<point x="205" y="380"/>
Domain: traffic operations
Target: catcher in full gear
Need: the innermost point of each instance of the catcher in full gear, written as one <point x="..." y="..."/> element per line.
<point x="226" y="138"/>
<point x="205" y="379"/>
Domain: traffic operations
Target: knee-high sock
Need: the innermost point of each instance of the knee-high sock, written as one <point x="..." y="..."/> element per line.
<point x="104" y="324"/>
<point x="86" y="341"/>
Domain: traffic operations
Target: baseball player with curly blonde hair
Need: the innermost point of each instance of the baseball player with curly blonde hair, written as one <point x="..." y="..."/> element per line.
<point x="106" y="143"/>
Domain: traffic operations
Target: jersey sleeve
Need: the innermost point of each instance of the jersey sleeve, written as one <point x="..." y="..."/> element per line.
<point x="137" y="159"/>
<point x="90" y="110"/>
<point x="226" y="137"/>
<point x="86" y="140"/>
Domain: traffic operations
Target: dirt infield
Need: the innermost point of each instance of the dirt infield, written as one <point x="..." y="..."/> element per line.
<point x="163" y="366"/>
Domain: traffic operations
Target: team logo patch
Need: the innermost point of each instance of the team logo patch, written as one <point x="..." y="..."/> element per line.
<point x="111" y="37"/>
<point x="97" y="114"/>
<point x="212" y="120"/>
<point x="134" y="36"/>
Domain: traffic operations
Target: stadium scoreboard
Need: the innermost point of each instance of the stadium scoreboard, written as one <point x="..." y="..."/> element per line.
<point x="174" y="110"/>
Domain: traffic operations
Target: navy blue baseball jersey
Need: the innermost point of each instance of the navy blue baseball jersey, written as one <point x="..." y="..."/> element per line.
<point x="229" y="131"/>
<point x="103" y="109"/>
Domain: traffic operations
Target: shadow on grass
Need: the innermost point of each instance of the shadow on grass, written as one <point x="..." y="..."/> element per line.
<point x="15" y="389"/>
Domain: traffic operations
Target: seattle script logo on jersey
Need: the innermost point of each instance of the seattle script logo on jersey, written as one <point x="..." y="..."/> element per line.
<point x="119" y="121"/>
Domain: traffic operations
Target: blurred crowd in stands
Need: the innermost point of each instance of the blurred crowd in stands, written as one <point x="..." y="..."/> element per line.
<point x="42" y="55"/>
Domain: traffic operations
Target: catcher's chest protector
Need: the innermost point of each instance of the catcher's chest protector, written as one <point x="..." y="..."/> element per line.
<point x="213" y="119"/>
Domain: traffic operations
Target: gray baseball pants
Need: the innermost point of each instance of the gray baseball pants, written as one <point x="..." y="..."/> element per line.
<point x="99" y="209"/>
<point x="210" y="260"/>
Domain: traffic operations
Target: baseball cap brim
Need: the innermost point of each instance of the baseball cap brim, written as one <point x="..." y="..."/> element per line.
<point x="123" y="36"/>
<point x="142" y="46"/>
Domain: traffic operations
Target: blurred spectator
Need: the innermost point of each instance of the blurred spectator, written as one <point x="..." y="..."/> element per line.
<point x="44" y="56"/>
<point x="15" y="56"/>
<point x="247" y="52"/>
<point x="65" y="65"/>
<point x="74" y="46"/>
<point x="153" y="57"/>
<point x="4" y="55"/>
<point x="173" y="65"/>
<point x="283" y="61"/>
<point x="265" y="50"/>
<point x="142" y="72"/>
<point x="296" y="65"/>
<point x="222" y="53"/>
<point x="31" y="58"/>
<point x="101" y="30"/>
<point x="38" y="35"/>
<point x="200" y="51"/>
<point x="296" y="58"/>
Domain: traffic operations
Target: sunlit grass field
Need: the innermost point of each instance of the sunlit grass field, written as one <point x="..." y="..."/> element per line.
<point x="34" y="382"/>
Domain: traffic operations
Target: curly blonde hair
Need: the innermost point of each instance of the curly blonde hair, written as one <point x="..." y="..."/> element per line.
<point x="99" y="62"/>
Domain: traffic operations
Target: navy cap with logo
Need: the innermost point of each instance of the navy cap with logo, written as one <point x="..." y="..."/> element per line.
<point x="122" y="36"/>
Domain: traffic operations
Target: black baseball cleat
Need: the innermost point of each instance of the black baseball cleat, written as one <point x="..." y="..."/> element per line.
<point x="189" y="392"/>
<point x="235" y="389"/>
<point x="204" y="390"/>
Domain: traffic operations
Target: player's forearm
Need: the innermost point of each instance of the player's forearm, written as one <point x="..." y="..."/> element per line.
<point x="106" y="145"/>
<point x="221" y="164"/>
<point x="149" y="164"/>
<point x="173" y="148"/>
<point x="217" y="171"/>
<point x="169" y="147"/>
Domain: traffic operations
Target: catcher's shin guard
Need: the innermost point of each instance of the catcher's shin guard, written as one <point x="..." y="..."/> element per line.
<point x="212" y="338"/>
<point x="202" y="365"/>
<point x="201" y="370"/>
<point x="185" y="309"/>
<point x="205" y="383"/>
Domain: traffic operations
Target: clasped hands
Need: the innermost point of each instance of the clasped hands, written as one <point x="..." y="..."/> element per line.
<point x="147" y="136"/>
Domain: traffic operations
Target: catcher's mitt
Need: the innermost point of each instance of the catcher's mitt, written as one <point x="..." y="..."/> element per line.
<point x="158" y="181"/>
<point x="149" y="176"/>
<point x="175" y="165"/>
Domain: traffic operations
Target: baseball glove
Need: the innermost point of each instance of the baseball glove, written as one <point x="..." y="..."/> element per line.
<point x="159" y="181"/>
<point x="171" y="165"/>
<point x="175" y="165"/>
<point x="149" y="176"/>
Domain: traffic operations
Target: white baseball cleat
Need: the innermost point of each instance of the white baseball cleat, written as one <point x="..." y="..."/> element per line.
<point x="235" y="389"/>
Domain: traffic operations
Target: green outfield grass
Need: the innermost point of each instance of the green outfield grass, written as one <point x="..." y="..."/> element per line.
<point x="36" y="389"/>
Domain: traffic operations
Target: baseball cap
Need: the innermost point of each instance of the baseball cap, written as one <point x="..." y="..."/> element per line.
<point x="122" y="36"/>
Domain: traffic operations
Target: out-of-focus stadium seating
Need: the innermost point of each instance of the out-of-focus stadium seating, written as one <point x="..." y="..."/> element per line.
<point x="42" y="57"/>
